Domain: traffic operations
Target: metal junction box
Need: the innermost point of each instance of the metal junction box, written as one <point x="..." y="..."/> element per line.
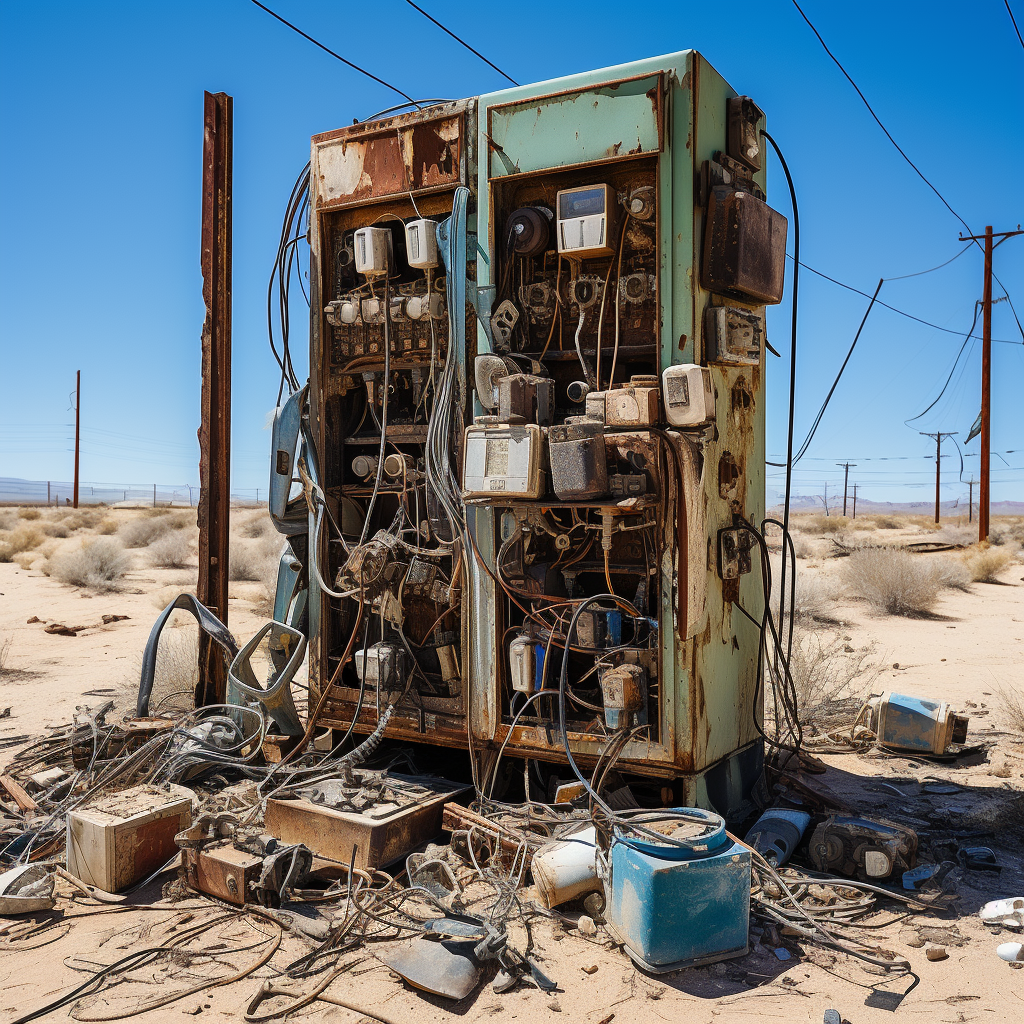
<point x="587" y="230"/>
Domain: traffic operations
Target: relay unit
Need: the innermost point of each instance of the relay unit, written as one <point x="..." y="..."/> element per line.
<point x="526" y="353"/>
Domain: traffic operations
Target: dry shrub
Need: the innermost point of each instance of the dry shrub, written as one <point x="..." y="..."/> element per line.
<point x="141" y="532"/>
<point x="177" y="667"/>
<point x="823" y="524"/>
<point x="85" y="518"/>
<point x="100" y="564"/>
<point x="5" y="653"/>
<point x="805" y="547"/>
<point x="986" y="564"/>
<point x="829" y="677"/>
<point x="8" y="519"/>
<point x="105" y="527"/>
<point x="258" y="525"/>
<point x="887" y="522"/>
<point x="963" y="535"/>
<point x="29" y="514"/>
<point x="815" y="600"/>
<point x="1012" y="702"/>
<point x="23" y="538"/>
<point x="952" y="573"/>
<point x="866" y="525"/>
<point x="172" y="551"/>
<point x="244" y="562"/>
<point x="26" y="558"/>
<point x="1007" y="532"/>
<point x="55" y="529"/>
<point x="893" y="581"/>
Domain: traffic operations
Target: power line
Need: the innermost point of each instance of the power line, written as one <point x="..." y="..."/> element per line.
<point x="458" y="39"/>
<point x="878" y="121"/>
<point x="337" y="56"/>
<point x="1014" y="20"/>
<point x="921" y="273"/>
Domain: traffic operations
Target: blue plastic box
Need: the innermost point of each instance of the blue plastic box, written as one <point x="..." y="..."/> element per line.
<point x="673" y="907"/>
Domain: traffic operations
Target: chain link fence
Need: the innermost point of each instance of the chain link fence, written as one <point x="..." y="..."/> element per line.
<point x="59" y="492"/>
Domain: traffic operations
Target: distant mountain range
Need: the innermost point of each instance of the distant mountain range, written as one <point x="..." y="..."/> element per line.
<point x="912" y="508"/>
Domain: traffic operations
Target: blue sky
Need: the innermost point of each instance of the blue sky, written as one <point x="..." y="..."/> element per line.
<point x="101" y="122"/>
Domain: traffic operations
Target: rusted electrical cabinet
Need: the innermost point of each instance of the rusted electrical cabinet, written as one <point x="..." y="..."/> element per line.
<point x="605" y="340"/>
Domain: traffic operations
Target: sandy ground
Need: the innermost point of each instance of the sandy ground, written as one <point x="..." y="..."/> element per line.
<point x="969" y="651"/>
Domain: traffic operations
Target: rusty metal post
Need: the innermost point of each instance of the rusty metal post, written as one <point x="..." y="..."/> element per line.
<point x="986" y="386"/>
<point x="78" y="434"/>
<point x="215" y="426"/>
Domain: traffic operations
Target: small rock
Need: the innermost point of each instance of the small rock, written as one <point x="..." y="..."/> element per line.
<point x="895" y="664"/>
<point x="936" y="953"/>
<point x="107" y="619"/>
<point x="592" y="969"/>
<point x="782" y="954"/>
<point x="585" y="925"/>
<point x="35" y="618"/>
<point x="555" y="1005"/>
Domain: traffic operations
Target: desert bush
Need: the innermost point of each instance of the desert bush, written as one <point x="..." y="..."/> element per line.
<point x="105" y="527"/>
<point x="172" y="551"/>
<point x="1012" y="702"/>
<point x="29" y="514"/>
<point x="887" y="522"/>
<point x="176" y="671"/>
<point x="957" y="535"/>
<point x="1005" y="533"/>
<point x="829" y="677"/>
<point x="100" y="564"/>
<point x="952" y="573"/>
<point x="893" y="581"/>
<point x="258" y="525"/>
<point x="26" y="558"/>
<point x="55" y="529"/>
<point x="8" y="519"/>
<point x="141" y="532"/>
<point x="985" y="564"/>
<point x="822" y="524"/>
<point x="244" y="562"/>
<point x="5" y="653"/>
<point x="22" y="538"/>
<point x="805" y="547"/>
<point x="866" y="525"/>
<point x="815" y="599"/>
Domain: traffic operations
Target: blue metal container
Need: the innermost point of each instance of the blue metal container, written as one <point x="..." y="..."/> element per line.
<point x="675" y="906"/>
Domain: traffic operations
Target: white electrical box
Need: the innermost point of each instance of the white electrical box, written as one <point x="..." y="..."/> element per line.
<point x="380" y="665"/>
<point x="421" y="244"/>
<point x="523" y="663"/>
<point x="586" y="221"/>
<point x="374" y="253"/>
<point x="372" y="311"/>
<point x="689" y="395"/>
<point x="503" y="460"/>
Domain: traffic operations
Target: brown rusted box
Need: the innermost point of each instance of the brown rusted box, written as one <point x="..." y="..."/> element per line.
<point x="223" y="871"/>
<point x="379" y="837"/>
<point x="744" y="247"/>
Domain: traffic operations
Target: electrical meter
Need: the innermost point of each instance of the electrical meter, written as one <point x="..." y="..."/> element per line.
<point x="689" y="395"/>
<point x="421" y="244"/>
<point x="733" y="335"/>
<point x="586" y="221"/>
<point x="374" y="252"/>
<point x="503" y="460"/>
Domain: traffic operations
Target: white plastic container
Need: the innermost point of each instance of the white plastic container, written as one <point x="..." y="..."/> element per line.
<point x="565" y="870"/>
<point x="421" y="244"/>
<point x="689" y="395"/>
<point x="373" y="251"/>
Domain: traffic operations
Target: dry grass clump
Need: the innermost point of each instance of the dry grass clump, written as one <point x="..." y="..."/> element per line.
<point x="1012" y="703"/>
<point x="8" y="519"/>
<point x="257" y="562"/>
<point x="885" y="521"/>
<point x="5" y="652"/>
<point x="952" y="573"/>
<point x="815" y="600"/>
<point x="822" y="524"/>
<point x="27" y="558"/>
<point x="22" y="538"/>
<point x="141" y="532"/>
<point x="29" y="514"/>
<point x="1008" y="532"/>
<point x="55" y="529"/>
<point x="957" y="535"/>
<point x="244" y="562"/>
<point x="99" y="564"/>
<point x="829" y="677"/>
<point x="893" y="581"/>
<point x="985" y="564"/>
<point x="258" y="525"/>
<point x="805" y="547"/>
<point x="172" y="551"/>
<point x="106" y="527"/>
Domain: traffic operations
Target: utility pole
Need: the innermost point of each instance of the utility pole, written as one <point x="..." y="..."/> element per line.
<point x="938" y="456"/>
<point x="78" y="431"/>
<point x="846" y="480"/>
<point x="215" y="401"/>
<point x="970" y="500"/>
<point x="854" y="501"/>
<point x="986" y="368"/>
<point x="826" y="499"/>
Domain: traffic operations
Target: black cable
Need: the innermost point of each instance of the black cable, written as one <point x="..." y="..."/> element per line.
<point x="337" y="56"/>
<point x="458" y="39"/>
<point x="792" y="357"/>
<point x="921" y="273"/>
<point x="846" y="75"/>
<point x="821" y="412"/>
<point x="1014" y="20"/>
<point x="952" y="371"/>
<point x="909" y="316"/>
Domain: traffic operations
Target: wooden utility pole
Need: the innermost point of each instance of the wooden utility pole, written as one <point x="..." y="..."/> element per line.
<point x="78" y="434"/>
<point x="215" y="425"/>
<point x="854" y="501"/>
<point x="970" y="500"/>
<point x="986" y="368"/>
<point x="846" y="480"/>
<point x="938" y="457"/>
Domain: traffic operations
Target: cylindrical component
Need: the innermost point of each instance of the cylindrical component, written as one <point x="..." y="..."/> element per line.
<point x="529" y="230"/>
<point x="398" y="464"/>
<point x="563" y="871"/>
<point x="577" y="392"/>
<point x="777" y="832"/>
<point x="363" y="465"/>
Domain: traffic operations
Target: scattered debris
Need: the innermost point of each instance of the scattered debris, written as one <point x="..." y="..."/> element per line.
<point x="935" y="953"/>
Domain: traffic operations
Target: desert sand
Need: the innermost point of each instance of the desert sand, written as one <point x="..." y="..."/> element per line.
<point x="968" y="649"/>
